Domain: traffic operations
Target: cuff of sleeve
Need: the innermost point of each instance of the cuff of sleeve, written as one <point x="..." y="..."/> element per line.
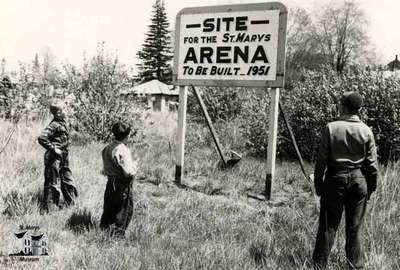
<point x="372" y="182"/>
<point x="318" y="188"/>
<point x="371" y="187"/>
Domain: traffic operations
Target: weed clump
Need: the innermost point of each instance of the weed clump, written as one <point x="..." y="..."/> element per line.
<point x="259" y="252"/>
<point x="17" y="204"/>
<point x="81" y="221"/>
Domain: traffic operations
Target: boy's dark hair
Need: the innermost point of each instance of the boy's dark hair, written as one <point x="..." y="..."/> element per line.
<point x="120" y="130"/>
<point x="55" y="105"/>
<point x="353" y="101"/>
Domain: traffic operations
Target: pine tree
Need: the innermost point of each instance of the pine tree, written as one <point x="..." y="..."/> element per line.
<point x="36" y="65"/>
<point x="156" y="49"/>
<point x="3" y="67"/>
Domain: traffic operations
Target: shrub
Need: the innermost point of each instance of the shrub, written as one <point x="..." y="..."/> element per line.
<point x="28" y="94"/>
<point x="98" y="101"/>
<point x="309" y="106"/>
<point x="223" y="103"/>
<point x="312" y="104"/>
<point x="22" y="99"/>
<point x="254" y="122"/>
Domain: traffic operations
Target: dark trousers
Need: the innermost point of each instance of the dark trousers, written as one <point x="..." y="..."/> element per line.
<point x="346" y="189"/>
<point x="57" y="180"/>
<point x="118" y="205"/>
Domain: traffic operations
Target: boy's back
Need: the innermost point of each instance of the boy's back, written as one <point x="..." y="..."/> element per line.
<point x="119" y="168"/>
<point x="117" y="160"/>
<point x="350" y="142"/>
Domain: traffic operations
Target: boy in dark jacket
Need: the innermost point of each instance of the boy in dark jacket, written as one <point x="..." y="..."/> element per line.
<point x="57" y="174"/>
<point x="345" y="176"/>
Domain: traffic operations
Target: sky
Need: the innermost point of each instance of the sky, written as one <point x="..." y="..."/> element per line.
<point x="70" y="29"/>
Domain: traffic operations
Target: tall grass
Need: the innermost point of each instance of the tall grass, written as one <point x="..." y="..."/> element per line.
<point x="208" y="224"/>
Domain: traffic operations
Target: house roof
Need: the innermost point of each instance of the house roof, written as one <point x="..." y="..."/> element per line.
<point x="20" y="235"/>
<point x="37" y="237"/>
<point x="394" y="65"/>
<point x="153" y="87"/>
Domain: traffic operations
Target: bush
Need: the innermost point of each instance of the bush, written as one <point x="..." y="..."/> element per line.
<point x="98" y="103"/>
<point x="23" y="99"/>
<point x="28" y="94"/>
<point x="313" y="103"/>
<point x="309" y="106"/>
<point x="223" y="103"/>
<point x="254" y="122"/>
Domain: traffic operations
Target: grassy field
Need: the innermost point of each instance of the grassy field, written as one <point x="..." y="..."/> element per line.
<point x="210" y="224"/>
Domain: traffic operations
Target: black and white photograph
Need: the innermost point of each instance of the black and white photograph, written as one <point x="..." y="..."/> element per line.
<point x="200" y="134"/>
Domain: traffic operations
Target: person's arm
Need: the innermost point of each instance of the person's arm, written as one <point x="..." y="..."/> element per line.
<point x="44" y="138"/>
<point x="68" y="129"/>
<point x="370" y="166"/>
<point x="322" y="162"/>
<point x="123" y="159"/>
<point x="103" y="157"/>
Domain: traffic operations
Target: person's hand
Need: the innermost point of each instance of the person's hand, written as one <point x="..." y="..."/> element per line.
<point x="311" y="179"/>
<point x="318" y="187"/>
<point x="58" y="152"/>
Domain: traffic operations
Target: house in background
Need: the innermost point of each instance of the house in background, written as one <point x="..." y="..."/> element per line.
<point x="394" y="65"/>
<point x="158" y="95"/>
<point x="391" y="69"/>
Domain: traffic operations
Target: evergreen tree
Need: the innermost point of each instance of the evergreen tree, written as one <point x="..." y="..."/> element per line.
<point x="36" y="65"/>
<point x="156" y="49"/>
<point x="3" y="67"/>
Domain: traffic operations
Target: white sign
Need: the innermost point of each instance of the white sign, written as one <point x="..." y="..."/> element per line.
<point x="236" y="45"/>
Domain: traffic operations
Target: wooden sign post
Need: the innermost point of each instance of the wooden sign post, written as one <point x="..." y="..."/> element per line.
<point x="235" y="46"/>
<point x="180" y="153"/>
<point x="272" y="135"/>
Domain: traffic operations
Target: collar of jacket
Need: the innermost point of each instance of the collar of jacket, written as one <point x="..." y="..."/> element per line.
<point x="116" y="142"/>
<point x="62" y="121"/>
<point x="350" y="118"/>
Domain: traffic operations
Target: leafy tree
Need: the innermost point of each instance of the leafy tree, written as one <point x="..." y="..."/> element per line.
<point x="50" y="73"/>
<point x="341" y="34"/>
<point x="156" y="50"/>
<point x="19" y="99"/>
<point x="301" y="46"/>
<point x="48" y="59"/>
<point x="97" y="103"/>
<point x="301" y="42"/>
